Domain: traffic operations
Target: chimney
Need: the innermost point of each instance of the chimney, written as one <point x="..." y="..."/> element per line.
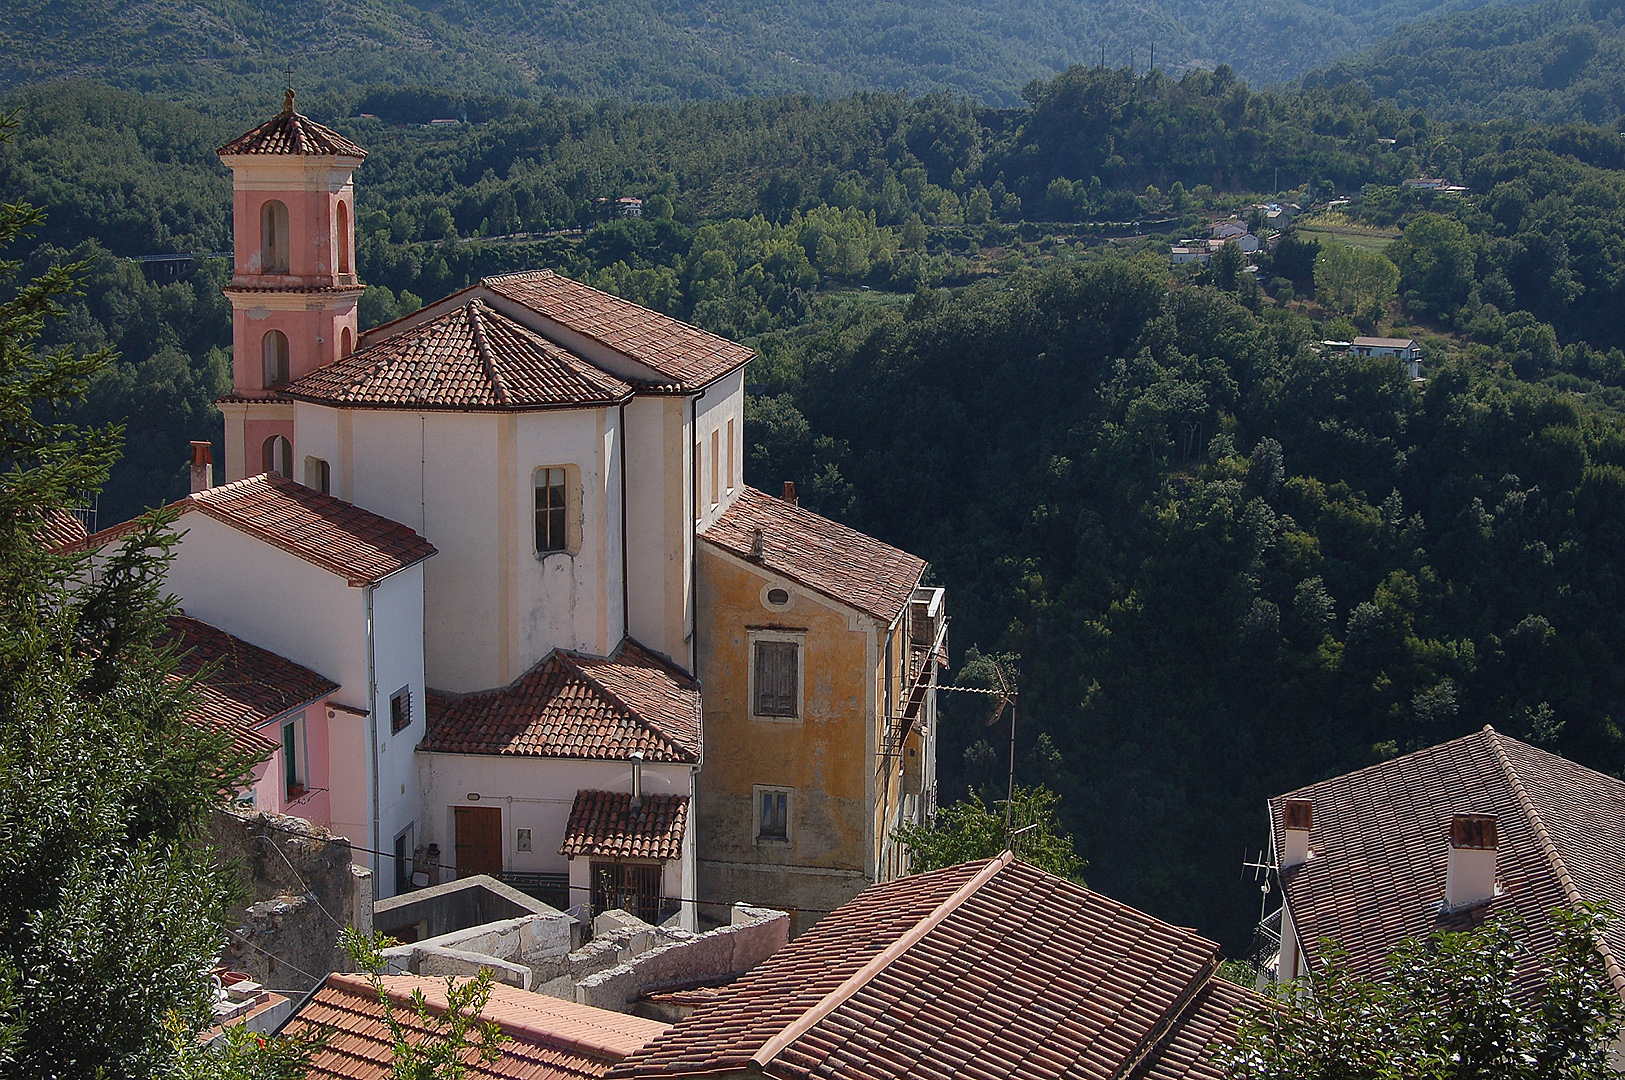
<point x="790" y="493"/>
<point x="202" y="467"/>
<point x="757" y="545"/>
<point x="1470" y="880"/>
<point x="637" y="779"/>
<point x="1298" y="815"/>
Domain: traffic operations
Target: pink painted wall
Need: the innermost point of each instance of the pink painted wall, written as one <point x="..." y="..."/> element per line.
<point x="313" y="243"/>
<point x="270" y="792"/>
<point x="255" y="432"/>
<point x="313" y="339"/>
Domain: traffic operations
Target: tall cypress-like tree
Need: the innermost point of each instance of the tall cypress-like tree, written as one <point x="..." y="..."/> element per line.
<point x="110" y="906"/>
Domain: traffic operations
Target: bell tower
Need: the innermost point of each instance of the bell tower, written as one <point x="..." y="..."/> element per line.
<point x="293" y="288"/>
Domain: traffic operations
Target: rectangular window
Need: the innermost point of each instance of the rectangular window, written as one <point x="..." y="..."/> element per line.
<point x="293" y="773"/>
<point x="318" y="476"/>
<point x="773" y="814"/>
<point x="716" y="464"/>
<point x="699" y="478"/>
<point x="400" y="709"/>
<point x="776" y="678"/>
<point x="733" y="477"/>
<point x="550" y="506"/>
<point x="404" y="850"/>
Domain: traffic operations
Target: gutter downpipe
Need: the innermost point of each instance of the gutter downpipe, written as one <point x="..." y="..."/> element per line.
<point x="626" y="604"/>
<point x="372" y="730"/>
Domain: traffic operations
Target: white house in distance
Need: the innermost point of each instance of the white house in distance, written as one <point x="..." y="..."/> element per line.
<point x="558" y="451"/>
<point x="1405" y="350"/>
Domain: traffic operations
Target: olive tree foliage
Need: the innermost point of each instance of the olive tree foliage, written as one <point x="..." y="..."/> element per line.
<point x="111" y="909"/>
<point x="1450" y="1007"/>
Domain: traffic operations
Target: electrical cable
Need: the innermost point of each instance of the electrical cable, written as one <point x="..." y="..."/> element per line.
<point x="302" y="884"/>
<point x="261" y="949"/>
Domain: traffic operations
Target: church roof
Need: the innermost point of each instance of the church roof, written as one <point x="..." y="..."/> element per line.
<point x="604" y="824"/>
<point x="291" y="133"/>
<point x="686" y="355"/>
<point x="824" y="555"/>
<point x="1379" y="849"/>
<point x="337" y="536"/>
<point x="576" y="706"/>
<point x="470" y="358"/>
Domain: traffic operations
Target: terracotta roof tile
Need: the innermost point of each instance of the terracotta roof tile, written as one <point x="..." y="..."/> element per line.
<point x="824" y="555"/>
<point x="686" y="355"/>
<point x="603" y="824"/>
<point x="289" y="132"/>
<point x="551" y="1039"/>
<point x="59" y="528"/>
<point x="247" y="685"/>
<point x="337" y="536"/>
<point x="469" y="358"/>
<point x="987" y="970"/>
<point x="1381" y="834"/>
<point x="577" y="706"/>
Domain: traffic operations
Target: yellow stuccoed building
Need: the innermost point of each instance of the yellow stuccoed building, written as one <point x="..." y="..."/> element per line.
<point x="818" y="651"/>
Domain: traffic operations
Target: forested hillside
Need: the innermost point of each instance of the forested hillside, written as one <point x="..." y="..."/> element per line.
<point x="1228" y="564"/>
<point x="668" y="50"/>
<point x="1551" y="62"/>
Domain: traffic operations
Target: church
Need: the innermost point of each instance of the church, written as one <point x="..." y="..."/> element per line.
<point x="487" y="586"/>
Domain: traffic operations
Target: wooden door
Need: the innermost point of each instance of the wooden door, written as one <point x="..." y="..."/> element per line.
<point x="479" y="840"/>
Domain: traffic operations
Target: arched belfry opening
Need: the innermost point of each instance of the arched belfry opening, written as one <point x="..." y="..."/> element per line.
<point x="274" y="236"/>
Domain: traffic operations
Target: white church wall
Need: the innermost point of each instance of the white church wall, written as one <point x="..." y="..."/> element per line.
<point x="721" y="448"/>
<point x="397" y="611"/>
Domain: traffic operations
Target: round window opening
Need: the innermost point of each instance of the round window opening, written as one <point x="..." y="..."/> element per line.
<point x="778" y="597"/>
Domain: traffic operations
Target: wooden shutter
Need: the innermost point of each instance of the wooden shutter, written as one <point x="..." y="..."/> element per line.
<point x="776" y="678"/>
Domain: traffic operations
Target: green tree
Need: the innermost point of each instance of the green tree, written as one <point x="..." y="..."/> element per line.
<point x="1449" y="1008"/>
<point x="1435" y="260"/>
<point x="969" y="830"/>
<point x="1353" y="281"/>
<point x="111" y="908"/>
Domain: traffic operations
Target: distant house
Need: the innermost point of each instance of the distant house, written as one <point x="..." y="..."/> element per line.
<point x="1180" y="254"/>
<point x="1446" y="838"/>
<point x="1406" y="350"/>
<point x="1433" y="183"/>
<point x="1227" y="230"/>
<point x="988" y="969"/>
<point x="1245" y="240"/>
<point x="629" y="206"/>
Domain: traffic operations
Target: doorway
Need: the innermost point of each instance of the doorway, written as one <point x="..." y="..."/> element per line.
<point x="479" y="840"/>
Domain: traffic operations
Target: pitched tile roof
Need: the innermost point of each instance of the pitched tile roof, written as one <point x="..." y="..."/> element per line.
<point x="59" y="528"/>
<point x="823" y="555"/>
<point x="551" y="1039"/>
<point x="577" y="706"/>
<point x="686" y="355"/>
<point x="471" y="358"/>
<point x="247" y="685"/>
<point x="289" y="132"/>
<point x="987" y="970"/>
<point x="337" y="536"/>
<point x="603" y="824"/>
<point x="1379" y="846"/>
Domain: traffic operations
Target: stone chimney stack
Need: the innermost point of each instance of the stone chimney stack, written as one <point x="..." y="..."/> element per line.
<point x="790" y="493"/>
<point x="1470" y="880"/>
<point x="202" y="467"/>
<point x="1298" y="815"/>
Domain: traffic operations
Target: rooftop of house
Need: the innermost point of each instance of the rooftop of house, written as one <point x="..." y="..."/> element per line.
<point x="551" y="1039"/>
<point x="240" y="686"/>
<point x="470" y="358"/>
<point x="823" y="555"/>
<point x="60" y="528"/>
<point x="576" y="706"/>
<point x="290" y="133"/>
<point x="1383" y="342"/>
<point x="604" y="824"/>
<point x="1379" y="847"/>
<point x="340" y="537"/>
<point x="987" y="970"/>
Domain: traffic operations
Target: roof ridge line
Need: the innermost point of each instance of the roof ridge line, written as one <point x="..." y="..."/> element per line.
<point x="1553" y="856"/>
<point x="1435" y="748"/>
<point x="476" y="323"/>
<point x="860" y="978"/>
<point x="569" y="656"/>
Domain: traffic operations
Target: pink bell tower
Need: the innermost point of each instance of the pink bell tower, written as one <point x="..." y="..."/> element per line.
<point x="293" y="287"/>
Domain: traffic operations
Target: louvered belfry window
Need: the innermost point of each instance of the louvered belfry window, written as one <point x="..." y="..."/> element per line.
<point x="776" y="678"/>
<point x="550" y="510"/>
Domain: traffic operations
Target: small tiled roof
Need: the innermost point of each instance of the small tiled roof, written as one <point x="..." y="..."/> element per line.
<point x="604" y="825"/>
<point x="471" y="358"/>
<point x="576" y="706"/>
<point x="823" y="555"/>
<point x="1379" y="847"/>
<point x="337" y="536"/>
<point x="686" y="355"/>
<point x="1384" y="342"/>
<point x="987" y="970"/>
<point x="60" y="528"/>
<point x="247" y="685"/>
<point x="549" y="1038"/>
<point x="289" y="132"/>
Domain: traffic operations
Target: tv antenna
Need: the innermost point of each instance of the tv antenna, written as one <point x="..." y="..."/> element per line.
<point x="1262" y="872"/>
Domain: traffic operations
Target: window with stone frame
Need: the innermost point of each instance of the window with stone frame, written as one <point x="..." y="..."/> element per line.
<point x="777" y="679"/>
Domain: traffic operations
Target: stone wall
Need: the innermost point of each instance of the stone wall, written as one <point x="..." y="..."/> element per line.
<point x="298" y="890"/>
<point x="453" y="906"/>
<point x="685" y="959"/>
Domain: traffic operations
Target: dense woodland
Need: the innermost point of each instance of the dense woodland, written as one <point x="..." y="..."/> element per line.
<point x="1225" y="563"/>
